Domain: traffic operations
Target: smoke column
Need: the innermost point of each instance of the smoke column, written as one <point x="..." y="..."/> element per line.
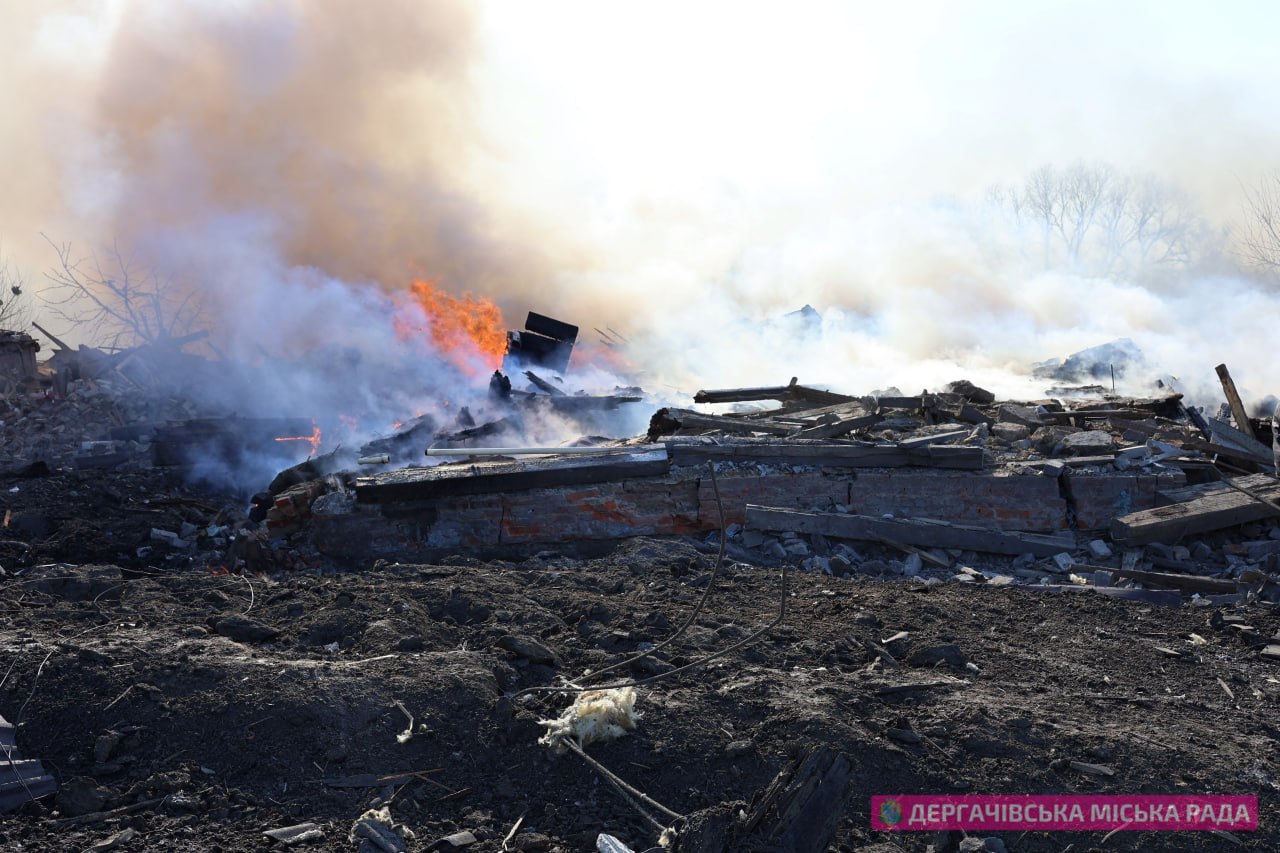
<point x="685" y="175"/>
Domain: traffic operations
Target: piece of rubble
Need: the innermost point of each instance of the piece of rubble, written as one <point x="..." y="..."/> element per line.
<point x="1011" y="413"/>
<point x="244" y="630"/>
<point x="924" y="532"/>
<point x="1010" y="431"/>
<point x="1199" y="509"/>
<point x="532" y="650"/>
<point x="1088" y="443"/>
<point x="377" y="832"/>
<point x="119" y="839"/>
<point x="297" y="834"/>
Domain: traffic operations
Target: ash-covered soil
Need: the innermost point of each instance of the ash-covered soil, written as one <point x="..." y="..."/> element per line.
<point x="200" y="709"/>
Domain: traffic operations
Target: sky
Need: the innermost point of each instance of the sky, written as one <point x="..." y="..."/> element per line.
<point x="684" y="173"/>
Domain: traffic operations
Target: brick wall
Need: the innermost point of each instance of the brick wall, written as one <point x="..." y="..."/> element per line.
<point x="666" y="506"/>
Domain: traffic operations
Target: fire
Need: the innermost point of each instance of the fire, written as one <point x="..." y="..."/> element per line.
<point x="313" y="439"/>
<point x="467" y="329"/>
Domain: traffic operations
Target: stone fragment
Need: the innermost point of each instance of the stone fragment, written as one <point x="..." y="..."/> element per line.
<point x="1088" y="443"/>
<point x="534" y="651"/>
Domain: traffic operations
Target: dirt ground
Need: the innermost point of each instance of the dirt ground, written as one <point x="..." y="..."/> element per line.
<point x="200" y="708"/>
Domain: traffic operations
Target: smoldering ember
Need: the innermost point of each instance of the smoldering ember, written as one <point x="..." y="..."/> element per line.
<point x="729" y="631"/>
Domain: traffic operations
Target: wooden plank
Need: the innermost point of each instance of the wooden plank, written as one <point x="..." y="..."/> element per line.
<point x="1217" y="506"/>
<point x="829" y="455"/>
<point x="808" y="413"/>
<point x="1238" y="413"/>
<point x="924" y="533"/>
<point x="775" y="392"/>
<point x="480" y="478"/>
<point x="1164" y="580"/>
<point x="14" y="771"/>
<point x="1159" y="597"/>
<point x="1217" y="432"/>
<point x="912" y="403"/>
<point x="936" y="438"/>
<point x="798" y="812"/>
<point x="16" y="794"/>
<point x="542" y="384"/>
<point x="1124" y="425"/>
<point x="1181" y="494"/>
<point x="668" y="420"/>
<point x="743" y="395"/>
<point x="838" y="428"/>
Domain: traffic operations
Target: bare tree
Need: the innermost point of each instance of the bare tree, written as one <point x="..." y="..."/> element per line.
<point x="15" y="307"/>
<point x="1095" y="220"/>
<point x="1260" y="240"/>
<point x="116" y="302"/>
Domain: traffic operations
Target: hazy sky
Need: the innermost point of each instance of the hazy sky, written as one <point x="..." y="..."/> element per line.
<point x="855" y="100"/>
<point x="663" y="167"/>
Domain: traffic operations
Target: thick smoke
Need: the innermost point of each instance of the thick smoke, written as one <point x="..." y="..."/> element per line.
<point x="292" y="166"/>
<point x="297" y="164"/>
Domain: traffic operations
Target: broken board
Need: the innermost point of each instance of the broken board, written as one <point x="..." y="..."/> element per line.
<point x="1198" y="509"/>
<point x="925" y="533"/>
<point x="829" y="455"/>
<point x="491" y="477"/>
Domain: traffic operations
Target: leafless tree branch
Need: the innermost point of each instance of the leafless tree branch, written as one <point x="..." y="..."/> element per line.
<point x="1260" y="241"/>
<point x="1097" y="221"/>
<point x="117" y="302"/>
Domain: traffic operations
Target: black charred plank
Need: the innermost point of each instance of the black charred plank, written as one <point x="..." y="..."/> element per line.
<point x="490" y="477"/>
<point x="920" y="532"/>
<point x="827" y="455"/>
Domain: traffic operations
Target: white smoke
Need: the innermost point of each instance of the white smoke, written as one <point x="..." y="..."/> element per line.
<point x="685" y="176"/>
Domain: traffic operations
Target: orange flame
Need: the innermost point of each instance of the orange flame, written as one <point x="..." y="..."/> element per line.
<point x="313" y="439"/>
<point x="468" y="329"/>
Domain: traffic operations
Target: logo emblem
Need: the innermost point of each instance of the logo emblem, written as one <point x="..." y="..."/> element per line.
<point x="890" y="813"/>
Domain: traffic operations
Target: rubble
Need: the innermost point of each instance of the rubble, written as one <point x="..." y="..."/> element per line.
<point x="928" y="533"/>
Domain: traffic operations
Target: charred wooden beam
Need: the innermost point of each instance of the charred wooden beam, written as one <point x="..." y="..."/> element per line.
<point x="666" y="421"/>
<point x="494" y="477"/>
<point x="837" y="428"/>
<point x="1216" y="432"/>
<point x="581" y="405"/>
<point x="1199" y="509"/>
<point x="826" y="455"/>
<point x="924" y="533"/>
<point x="542" y="384"/>
<point x="793" y="391"/>
<point x="797" y="812"/>
<point x="1169" y="580"/>
<point x="21" y="781"/>
<point x="471" y="435"/>
<point x="936" y="438"/>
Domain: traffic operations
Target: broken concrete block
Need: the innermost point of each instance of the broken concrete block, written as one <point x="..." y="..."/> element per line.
<point x="1011" y="413"/>
<point x="1099" y="550"/>
<point x="1064" y="561"/>
<point x="817" y="564"/>
<point x="1136" y="455"/>
<point x="1257" y="551"/>
<point x="167" y="536"/>
<point x="1010" y="431"/>
<point x="912" y="565"/>
<point x="797" y="548"/>
<point x="1088" y="443"/>
<point x="972" y="393"/>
